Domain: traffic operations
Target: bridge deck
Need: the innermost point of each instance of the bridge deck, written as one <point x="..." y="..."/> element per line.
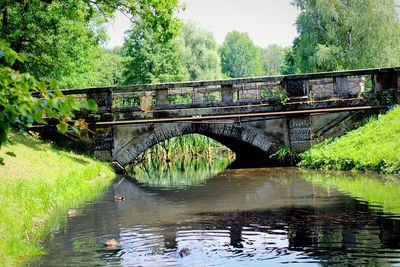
<point x="241" y="98"/>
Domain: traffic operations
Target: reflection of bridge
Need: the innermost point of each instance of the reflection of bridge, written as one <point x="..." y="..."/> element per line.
<point x="251" y="116"/>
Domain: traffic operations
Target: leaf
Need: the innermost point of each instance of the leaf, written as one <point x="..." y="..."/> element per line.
<point x="72" y="102"/>
<point x="92" y="105"/>
<point x="38" y="116"/>
<point x="62" y="127"/>
<point x="11" y="154"/>
<point x="11" y="56"/>
<point x="65" y="110"/>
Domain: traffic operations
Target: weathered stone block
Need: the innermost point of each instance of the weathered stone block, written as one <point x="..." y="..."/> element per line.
<point x="249" y="94"/>
<point x="103" y="155"/>
<point x="301" y="122"/>
<point x="103" y="98"/>
<point x="300" y="134"/>
<point x="300" y="146"/>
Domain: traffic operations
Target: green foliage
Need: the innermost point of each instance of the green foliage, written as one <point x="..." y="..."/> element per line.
<point x="20" y="109"/>
<point x="35" y="197"/>
<point x="288" y="67"/>
<point x="182" y="161"/>
<point x="342" y="34"/>
<point x="273" y="58"/>
<point x="374" y="146"/>
<point x="63" y="37"/>
<point x="109" y="68"/>
<point x="192" y="55"/>
<point x="157" y="15"/>
<point x="240" y="57"/>
<point x="285" y="155"/>
<point x="198" y="53"/>
<point x="151" y="60"/>
<point x="186" y="146"/>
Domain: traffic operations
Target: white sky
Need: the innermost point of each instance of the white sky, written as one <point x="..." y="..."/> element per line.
<point x="266" y="21"/>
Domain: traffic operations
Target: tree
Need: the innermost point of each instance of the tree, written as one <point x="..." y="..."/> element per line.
<point x="288" y="66"/>
<point x="109" y="68"/>
<point x="346" y="34"/>
<point x="63" y="37"/>
<point x="19" y="108"/>
<point x="240" y="57"/>
<point x="150" y="60"/>
<point x="198" y="53"/>
<point x="60" y="39"/>
<point x="273" y="59"/>
<point x="55" y="34"/>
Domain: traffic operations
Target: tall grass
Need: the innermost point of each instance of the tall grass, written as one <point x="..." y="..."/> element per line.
<point x="374" y="146"/>
<point x="186" y="146"/>
<point x="38" y="184"/>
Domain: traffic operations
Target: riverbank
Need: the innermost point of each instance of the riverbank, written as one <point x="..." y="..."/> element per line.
<point x="38" y="184"/>
<point x="372" y="147"/>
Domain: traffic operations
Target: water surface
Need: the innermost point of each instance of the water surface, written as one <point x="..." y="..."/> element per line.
<point x="240" y="217"/>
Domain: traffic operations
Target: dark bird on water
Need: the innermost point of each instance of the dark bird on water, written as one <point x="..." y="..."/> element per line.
<point x="119" y="198"/>
<point x="184" y="252"/>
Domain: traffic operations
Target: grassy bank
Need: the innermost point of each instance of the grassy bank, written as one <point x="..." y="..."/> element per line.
<point x="38" y="183"/>
<point x="374" y="146"/>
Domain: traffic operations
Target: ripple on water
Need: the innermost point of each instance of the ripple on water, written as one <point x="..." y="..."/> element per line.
<point x="232" y="220"/>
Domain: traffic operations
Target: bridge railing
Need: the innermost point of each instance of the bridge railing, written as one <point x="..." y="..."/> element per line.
<point x="313" y="86"/>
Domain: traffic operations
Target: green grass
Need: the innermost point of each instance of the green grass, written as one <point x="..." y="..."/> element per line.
<point x="38" y="184"/>
<point x="374" y="146"/>
<point x="186" y="146"/>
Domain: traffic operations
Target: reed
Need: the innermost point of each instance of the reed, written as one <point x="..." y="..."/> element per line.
<point x="186" y="146"/>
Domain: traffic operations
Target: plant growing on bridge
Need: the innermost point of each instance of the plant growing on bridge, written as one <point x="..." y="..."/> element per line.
<point x="285" y="155"/>
<point x="19" y="108"/>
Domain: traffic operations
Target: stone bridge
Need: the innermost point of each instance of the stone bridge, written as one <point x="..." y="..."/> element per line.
<point x="252" y="116"/>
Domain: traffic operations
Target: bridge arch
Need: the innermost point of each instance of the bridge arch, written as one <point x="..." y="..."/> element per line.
<point x="249" y="144"/>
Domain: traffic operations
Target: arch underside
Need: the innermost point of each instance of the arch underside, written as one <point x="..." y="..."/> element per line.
<point x="249" y="144"/>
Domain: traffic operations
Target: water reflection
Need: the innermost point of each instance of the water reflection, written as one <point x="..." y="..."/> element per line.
<point x="179" y="173"/>
<point x="380" y="191"/>
<point x="245" y="217"/>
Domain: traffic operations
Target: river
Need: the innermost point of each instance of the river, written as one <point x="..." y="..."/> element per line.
<point x="235" y="217"/>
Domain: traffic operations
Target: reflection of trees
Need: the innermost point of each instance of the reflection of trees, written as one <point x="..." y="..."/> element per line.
<point x="346" y="234"/>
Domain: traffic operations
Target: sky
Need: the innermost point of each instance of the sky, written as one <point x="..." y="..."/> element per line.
<point x="266" y="21"/>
